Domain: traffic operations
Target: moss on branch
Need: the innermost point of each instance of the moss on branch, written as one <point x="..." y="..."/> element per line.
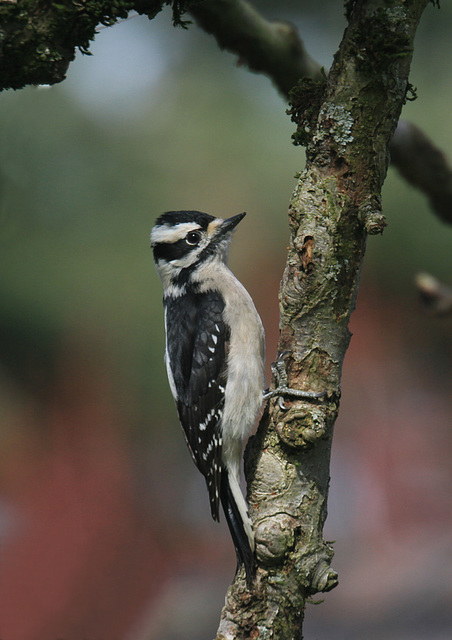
<point x="39" y="38"/>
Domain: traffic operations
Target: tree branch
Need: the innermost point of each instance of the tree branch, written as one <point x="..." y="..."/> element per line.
<point x="335" y="204"/>
<point x="276" y="49"/>
<point x="39" y="38"/>
<point x="424" y="166"/>
<point x="265" y="46"/>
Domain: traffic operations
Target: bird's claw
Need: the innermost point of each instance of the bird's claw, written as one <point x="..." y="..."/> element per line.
<point x="282" y="389"/>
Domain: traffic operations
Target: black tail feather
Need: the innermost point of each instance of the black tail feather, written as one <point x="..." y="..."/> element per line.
<point x="243" y="549"/>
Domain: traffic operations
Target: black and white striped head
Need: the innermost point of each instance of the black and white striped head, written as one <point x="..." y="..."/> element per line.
<point x="183" y="241"/>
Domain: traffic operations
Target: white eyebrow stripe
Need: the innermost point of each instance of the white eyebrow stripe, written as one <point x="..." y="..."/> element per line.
<point x="212" y="226"/>
<point x="172" y="232"/>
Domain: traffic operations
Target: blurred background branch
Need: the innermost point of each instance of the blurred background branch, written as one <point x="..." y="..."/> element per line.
<point x="264" y="46"/>
<point x="435" y="296"/>
<point x="424" y="166"/>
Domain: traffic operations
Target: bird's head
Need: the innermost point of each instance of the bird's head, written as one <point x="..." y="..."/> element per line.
<point x="183" y="241"/>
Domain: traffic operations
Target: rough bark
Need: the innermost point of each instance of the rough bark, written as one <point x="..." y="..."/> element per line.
<point x="334" y="207"/>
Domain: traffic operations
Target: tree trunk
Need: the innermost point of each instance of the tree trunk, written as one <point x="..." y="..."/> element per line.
<point x="347" y="122"/>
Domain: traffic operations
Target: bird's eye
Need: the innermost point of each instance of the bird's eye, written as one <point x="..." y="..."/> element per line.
<point x="193" y="237"/>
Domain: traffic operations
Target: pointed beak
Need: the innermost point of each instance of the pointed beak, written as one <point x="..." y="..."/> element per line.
<point x="229" y="225"/>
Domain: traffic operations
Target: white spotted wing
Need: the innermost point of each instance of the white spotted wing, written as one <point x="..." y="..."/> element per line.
<point x="197" y="341"/>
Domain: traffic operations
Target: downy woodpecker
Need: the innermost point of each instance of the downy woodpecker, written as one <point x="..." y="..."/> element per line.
<point x="214" y="357"/>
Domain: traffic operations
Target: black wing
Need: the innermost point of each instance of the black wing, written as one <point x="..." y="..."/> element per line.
<point x="197" y="340"/>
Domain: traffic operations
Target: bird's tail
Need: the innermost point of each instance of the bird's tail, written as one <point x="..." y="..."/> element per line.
<point x="236" y="513"/>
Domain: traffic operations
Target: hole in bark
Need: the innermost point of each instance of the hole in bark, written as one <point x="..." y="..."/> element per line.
<point x="307" y="255"/>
